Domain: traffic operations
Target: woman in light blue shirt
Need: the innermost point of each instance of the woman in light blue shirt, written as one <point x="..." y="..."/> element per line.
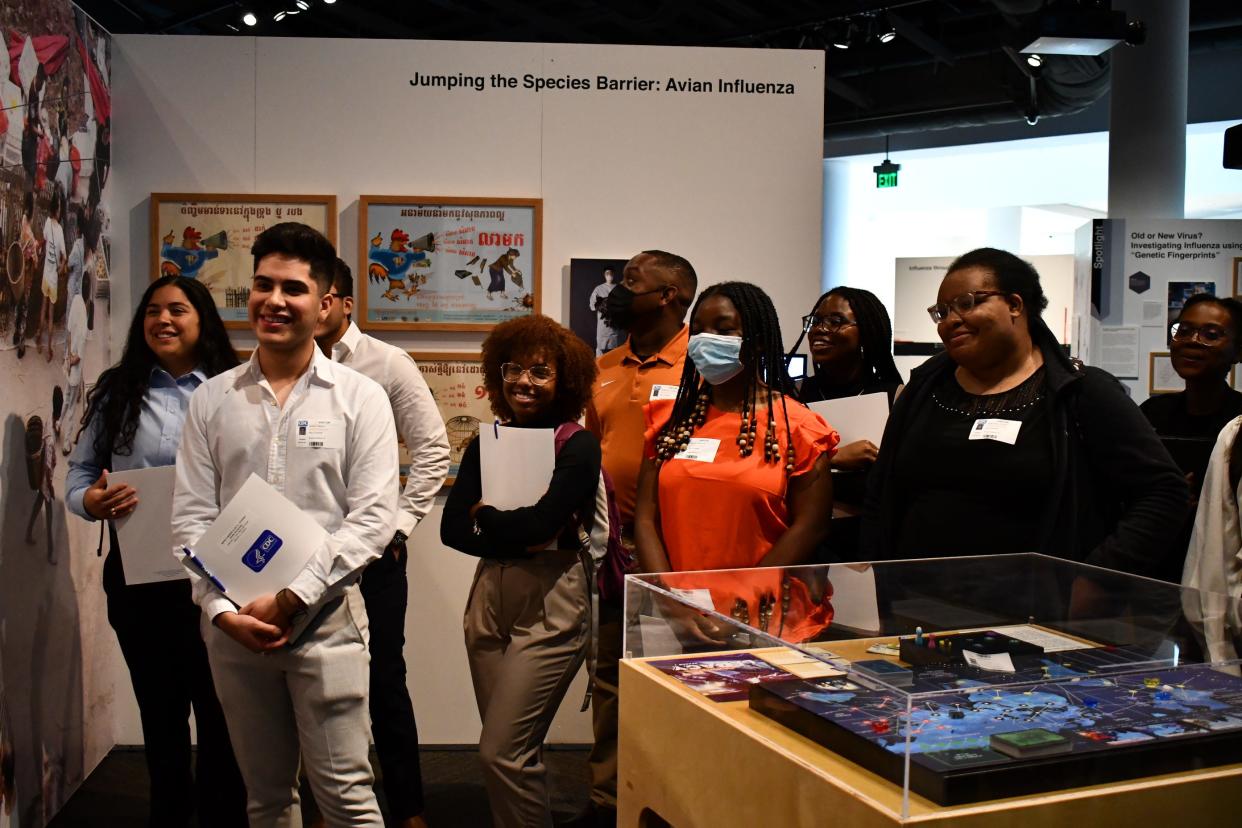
<point x="133" y="420"/>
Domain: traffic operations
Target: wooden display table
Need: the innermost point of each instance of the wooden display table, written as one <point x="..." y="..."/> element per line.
<point x="688" y="761"/>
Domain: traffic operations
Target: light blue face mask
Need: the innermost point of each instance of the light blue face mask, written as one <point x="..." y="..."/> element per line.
<point x="718" y="358"/>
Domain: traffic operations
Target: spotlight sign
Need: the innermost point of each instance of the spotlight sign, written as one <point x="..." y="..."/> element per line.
<point x="886" y="174"/>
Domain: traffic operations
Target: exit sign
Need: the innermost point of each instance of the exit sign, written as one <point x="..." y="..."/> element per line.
<point x="886" y="174"/>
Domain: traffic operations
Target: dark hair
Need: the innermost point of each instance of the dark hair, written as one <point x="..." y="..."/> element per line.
<point x="575" y="363"/>
<point x="342" y="278"/>
<point x="56" y="207"/>
<point x="763" y="356"/>
<point x="875" y="332"/>
<point x="117" y="393"/>
<point x="680" y="267"/>
<point x="1015" y="276"/>
<point x="1232" y="306"/>
<point x="299" y="241"/>
<point x="1011" y="274"/>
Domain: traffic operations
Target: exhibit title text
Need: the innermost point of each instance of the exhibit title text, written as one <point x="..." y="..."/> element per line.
<point x="601" y="83"/>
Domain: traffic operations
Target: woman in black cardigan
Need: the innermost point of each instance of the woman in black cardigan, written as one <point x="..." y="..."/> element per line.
<point x="1003" y="444"/>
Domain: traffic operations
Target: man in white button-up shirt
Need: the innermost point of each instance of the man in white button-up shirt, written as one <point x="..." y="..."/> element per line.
<point x="291" y="668"/>
<point x="384" y="586"/>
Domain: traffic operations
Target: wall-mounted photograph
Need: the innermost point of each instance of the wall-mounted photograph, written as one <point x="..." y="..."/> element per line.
<point x="590" y="282"/>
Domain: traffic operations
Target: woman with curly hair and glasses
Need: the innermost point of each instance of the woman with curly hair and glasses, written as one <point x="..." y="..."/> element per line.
<point x="526" y="621"/>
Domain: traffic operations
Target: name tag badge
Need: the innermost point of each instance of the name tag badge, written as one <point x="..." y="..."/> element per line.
<point x="1002" y="431"/>
<point x="663" y="392"/>
<point x="702" y="449"/>
<point x="319" y="434"/>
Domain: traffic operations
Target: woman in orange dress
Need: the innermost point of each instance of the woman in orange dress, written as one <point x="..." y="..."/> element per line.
<point x="736" y="472"/>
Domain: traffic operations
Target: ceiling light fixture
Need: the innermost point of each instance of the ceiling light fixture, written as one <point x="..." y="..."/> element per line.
<point x="844" y="36"/>
<point x="303" y="5"/>
<point x="1034" y="61"/>
<point x="888" y="37"/>
<point x="329" y="2"/>
<point x="249" y="19"/>
<point x="279" y="16"/>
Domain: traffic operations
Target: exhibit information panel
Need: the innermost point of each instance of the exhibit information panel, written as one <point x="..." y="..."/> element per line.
<point x="960" y="679"/>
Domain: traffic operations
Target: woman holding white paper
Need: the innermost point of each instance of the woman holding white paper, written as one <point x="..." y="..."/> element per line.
<point x="133" y="420"/>
<point x="526" y="621"/>
<point x="851" y="344"/>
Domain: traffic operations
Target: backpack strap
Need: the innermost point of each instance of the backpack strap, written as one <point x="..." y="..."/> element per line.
<point x="563" y="432"/>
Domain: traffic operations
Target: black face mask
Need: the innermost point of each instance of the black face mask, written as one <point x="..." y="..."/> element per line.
<point x="619" y="307"/>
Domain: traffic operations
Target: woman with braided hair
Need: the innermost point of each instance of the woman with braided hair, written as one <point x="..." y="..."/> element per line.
<point x="850" y="338"/>
<point x="735" y="472"/>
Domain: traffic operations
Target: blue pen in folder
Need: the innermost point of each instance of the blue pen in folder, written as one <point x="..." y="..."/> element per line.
<point x="201" y="567"/>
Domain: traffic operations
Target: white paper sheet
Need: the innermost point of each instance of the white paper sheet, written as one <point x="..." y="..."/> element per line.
<point x="259" y="542"/>
<point x="994" y="662"/>
<point x="516" y="463"/>
<point x="1050" y="641"/>
<point x="855" y="418"/>
<point x="854" y="600"/>
<point x="1118" y="350"/>
<point x="146" y="533"/>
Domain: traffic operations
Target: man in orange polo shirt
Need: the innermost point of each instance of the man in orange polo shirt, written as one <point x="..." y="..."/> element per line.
<point x="651" y="302"/>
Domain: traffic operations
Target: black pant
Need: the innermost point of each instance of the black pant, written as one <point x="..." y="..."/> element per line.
<point x="386" y="592"/>
<point x="157" y="627"/>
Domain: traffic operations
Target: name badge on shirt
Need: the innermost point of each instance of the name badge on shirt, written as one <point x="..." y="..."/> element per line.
<point x="1003" y="431"/>
<point x="702" y="449"/>
<point x="319" y="434"/>
<point x="663" y="392"/>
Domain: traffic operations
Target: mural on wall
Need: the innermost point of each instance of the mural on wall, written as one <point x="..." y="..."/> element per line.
<point x="55" y="118"/>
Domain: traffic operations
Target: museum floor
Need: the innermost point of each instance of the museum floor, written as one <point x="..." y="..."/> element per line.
<point x="115" y="793"/>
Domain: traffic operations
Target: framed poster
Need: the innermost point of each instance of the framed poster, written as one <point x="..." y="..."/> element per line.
<point x="456" y="382"/>
<point x="1162" y="378"/>
<point x="446" y="264"/>
<point x="207" y="236"/>
<point x="1237" y="278"/>
<point x="590" y="282"/>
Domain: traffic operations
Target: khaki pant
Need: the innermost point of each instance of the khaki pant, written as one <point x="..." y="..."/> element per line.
<point x="310" y="698"/>
<point x="526" y="637"/>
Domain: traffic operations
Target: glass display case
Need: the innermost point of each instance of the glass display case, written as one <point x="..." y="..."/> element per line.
<point x="959" y="679"/>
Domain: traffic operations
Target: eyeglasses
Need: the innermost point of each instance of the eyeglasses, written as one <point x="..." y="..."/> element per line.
<point x="962" y="304"/>
<point x="539" y="374"/>
<point x="1208" y="334"/>
<point x="831" y="324"/>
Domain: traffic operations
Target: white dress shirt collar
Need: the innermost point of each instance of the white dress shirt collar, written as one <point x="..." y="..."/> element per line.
<point x="322" y="370"/>
<point x="348" y="343"/>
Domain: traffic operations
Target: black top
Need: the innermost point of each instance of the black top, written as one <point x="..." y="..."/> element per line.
<point x="948" y="481"/>
<point x="508" y="534"/>
<point x="1181" y="430"/>
<point x="1190" y="440"/>
<point x="1116" y="498"/>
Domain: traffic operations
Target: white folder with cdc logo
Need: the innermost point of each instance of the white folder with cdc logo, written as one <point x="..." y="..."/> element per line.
<point x="257" y="545"/>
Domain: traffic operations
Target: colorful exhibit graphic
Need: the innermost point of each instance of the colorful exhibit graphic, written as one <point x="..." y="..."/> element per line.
<point x="207" y="236"/>
<point x="55" y="141"/>
<point x="456" y="382"/>
<point x="447" y="264"/>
